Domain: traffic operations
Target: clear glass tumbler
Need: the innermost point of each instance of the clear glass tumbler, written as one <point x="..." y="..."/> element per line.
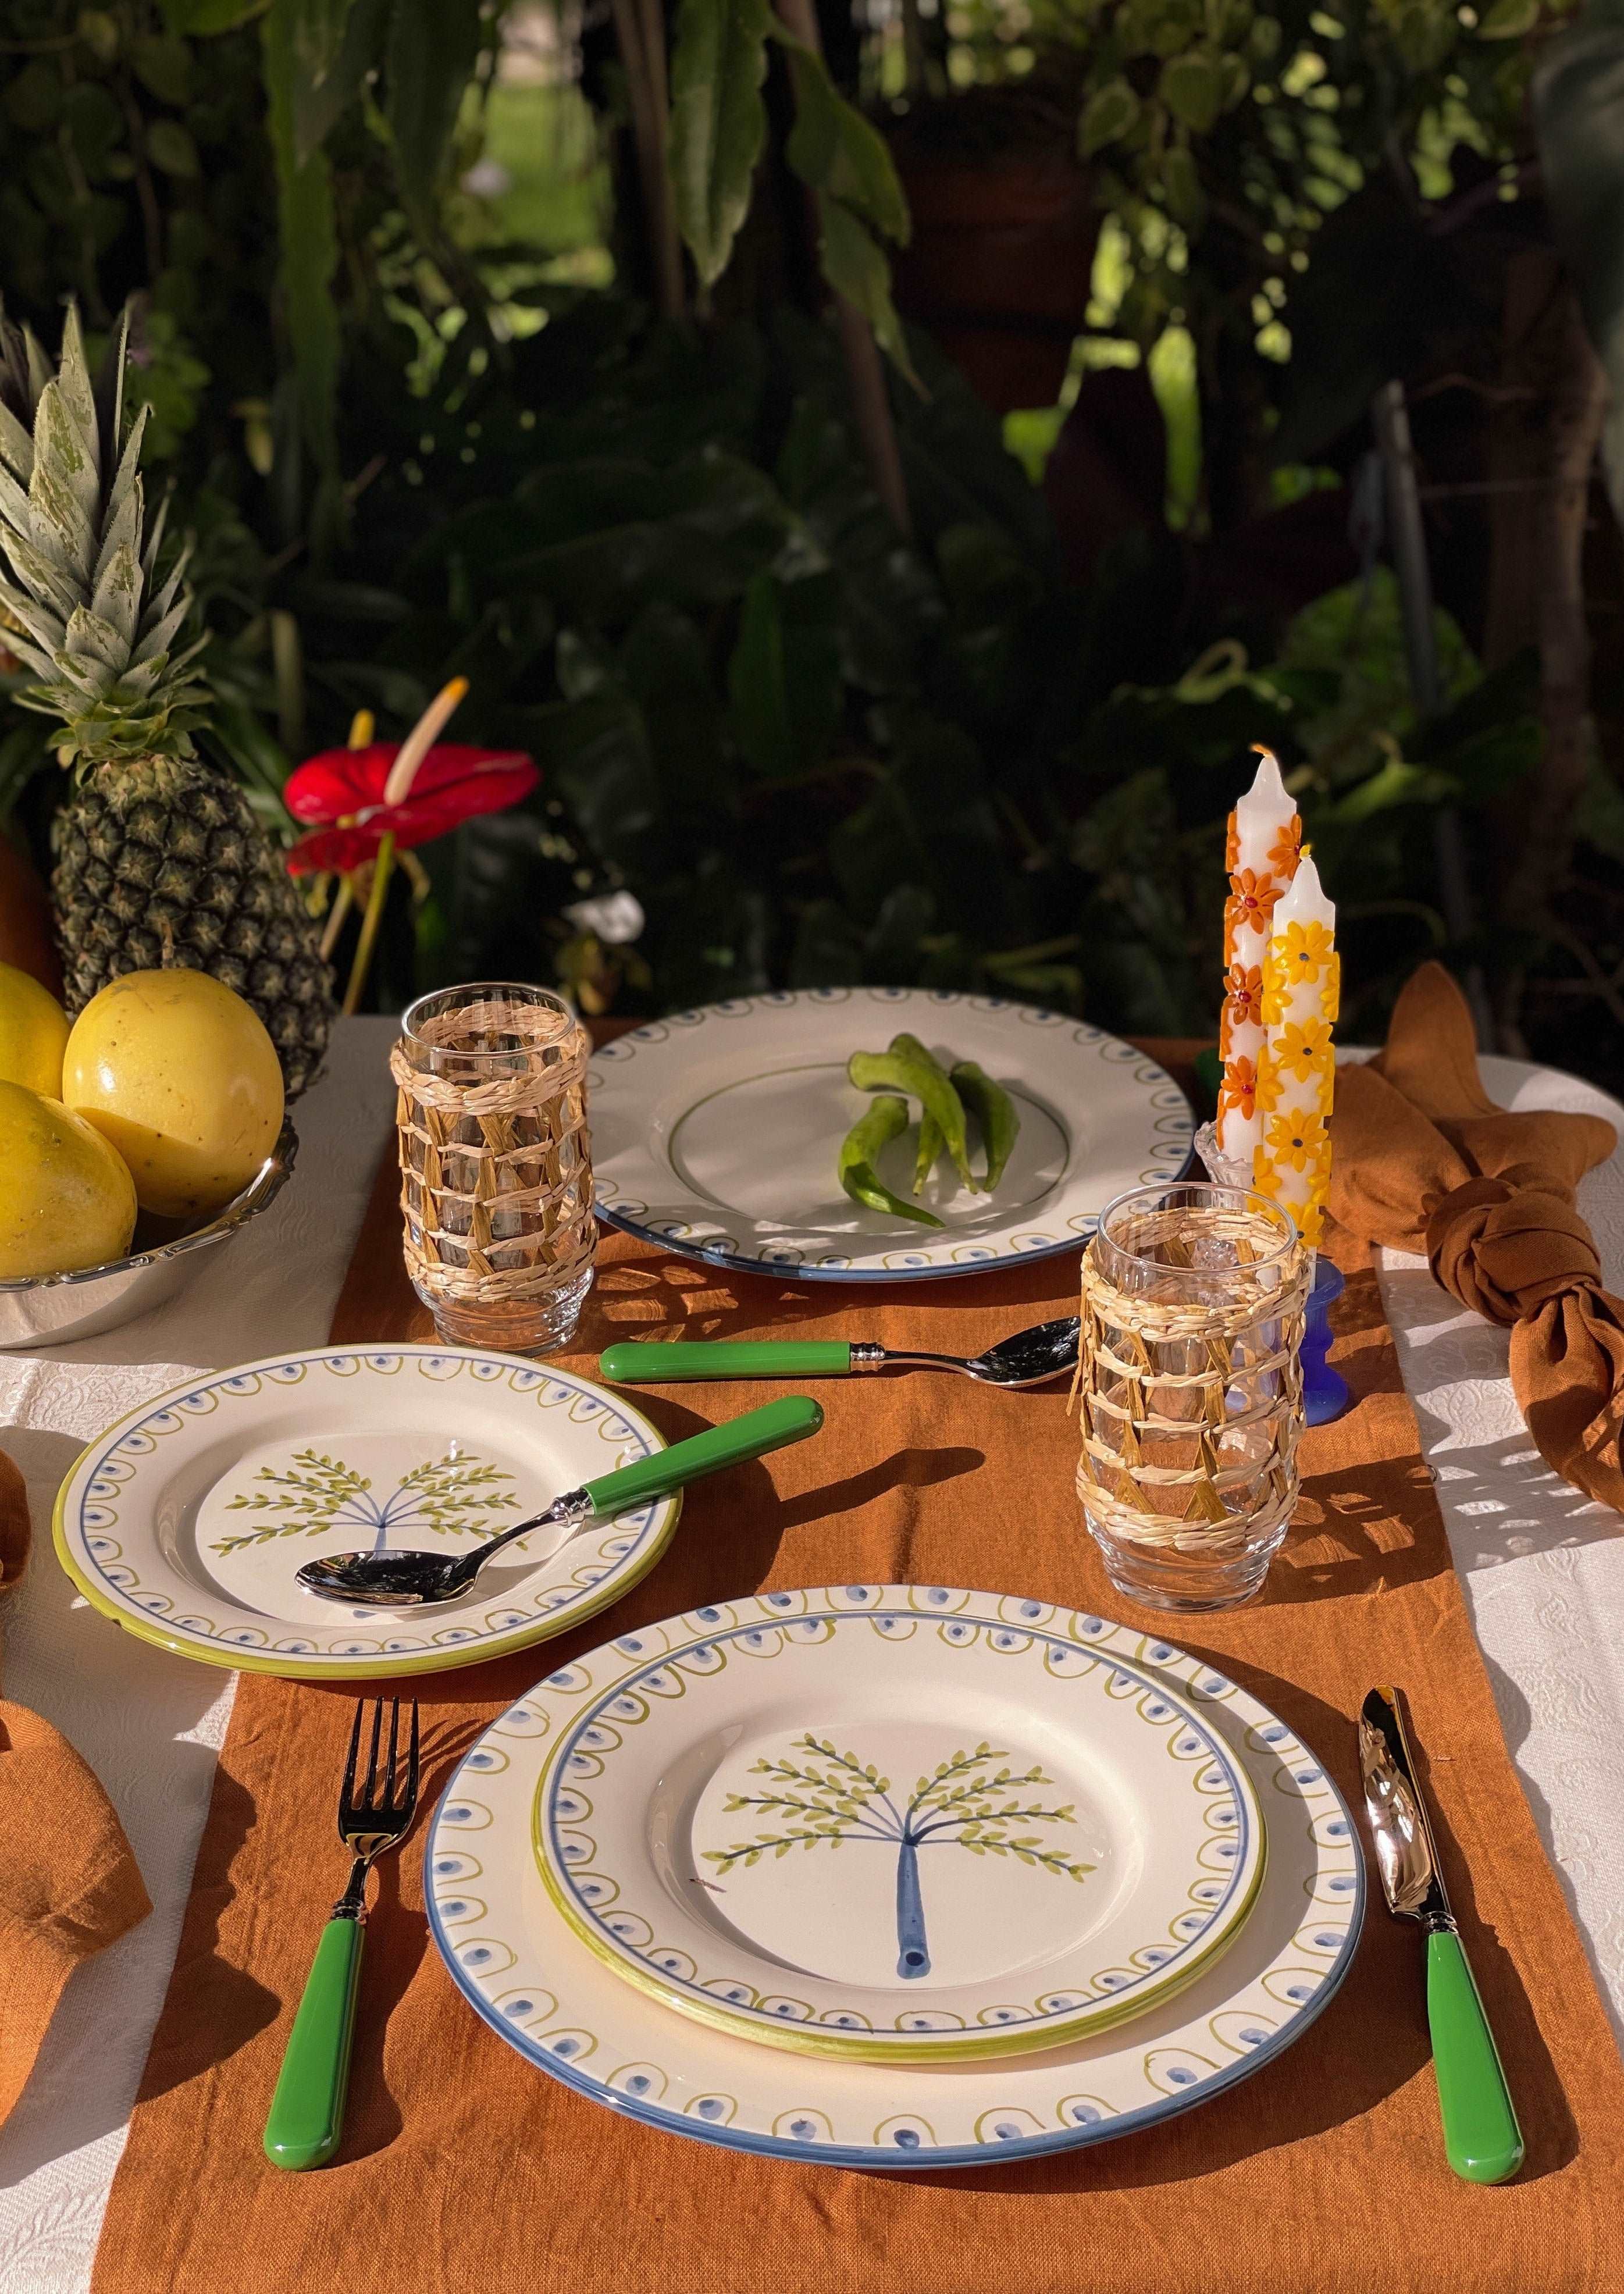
<point x="1191" y="1387"/>
<point x="496" y="1166"/>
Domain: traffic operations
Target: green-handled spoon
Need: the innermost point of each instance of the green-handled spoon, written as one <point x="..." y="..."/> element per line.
<point x="404" y="1581"/>
<point x="1029" y="1358"/>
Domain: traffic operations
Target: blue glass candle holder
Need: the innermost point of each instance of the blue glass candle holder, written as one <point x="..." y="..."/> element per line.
<point x="1324" y="1391"/>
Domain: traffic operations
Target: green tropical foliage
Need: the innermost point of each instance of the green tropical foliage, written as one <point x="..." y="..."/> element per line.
<point x="783" y="741"/>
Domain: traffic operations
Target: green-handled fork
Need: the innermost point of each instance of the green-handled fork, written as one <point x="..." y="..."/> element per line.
<point x="374" y="1815"/>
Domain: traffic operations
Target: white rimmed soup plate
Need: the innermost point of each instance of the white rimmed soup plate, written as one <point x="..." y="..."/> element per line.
<point x="716" y="1133"/>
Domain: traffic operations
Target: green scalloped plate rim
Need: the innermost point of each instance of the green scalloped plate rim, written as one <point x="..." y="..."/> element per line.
<point x="1007" y="2039"/>
<point x="397" y="1667"/>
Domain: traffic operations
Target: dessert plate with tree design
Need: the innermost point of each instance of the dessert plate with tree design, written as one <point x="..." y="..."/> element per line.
<point x="187" y="1521"/>
<point x="900" y="1832"/>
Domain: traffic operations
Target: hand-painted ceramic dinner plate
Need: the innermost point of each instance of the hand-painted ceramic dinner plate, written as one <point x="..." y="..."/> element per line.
<point x="187" y="1521"/>
<point x="533" y="1979"/>
<point x="716" y="1133"/>
<point x="898" y="1832"/>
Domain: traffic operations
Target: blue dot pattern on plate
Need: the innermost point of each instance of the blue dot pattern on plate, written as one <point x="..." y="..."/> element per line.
<point x="1182" y="2070"/>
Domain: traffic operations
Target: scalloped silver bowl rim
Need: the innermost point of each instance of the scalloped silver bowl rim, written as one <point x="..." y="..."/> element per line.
<point x="261" y="1192"/>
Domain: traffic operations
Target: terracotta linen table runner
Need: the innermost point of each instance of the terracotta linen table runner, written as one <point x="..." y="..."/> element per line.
<point x="465" y="2171"/>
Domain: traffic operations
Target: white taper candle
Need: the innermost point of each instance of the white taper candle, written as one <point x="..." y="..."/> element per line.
<point x="1265" y="835"/>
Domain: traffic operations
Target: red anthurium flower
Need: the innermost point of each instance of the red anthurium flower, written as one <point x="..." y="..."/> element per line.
<point x="346" y="791"/>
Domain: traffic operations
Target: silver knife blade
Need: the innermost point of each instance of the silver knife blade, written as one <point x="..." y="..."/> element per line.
<point x="1406" y="1852"/>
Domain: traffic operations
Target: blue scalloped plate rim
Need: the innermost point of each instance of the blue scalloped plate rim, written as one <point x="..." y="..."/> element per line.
<point x="898" y="2160"/>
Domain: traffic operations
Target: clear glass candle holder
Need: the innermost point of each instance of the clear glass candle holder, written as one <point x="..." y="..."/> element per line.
<point x="496" y="1166"/>
<point x="1191" y="1384"/>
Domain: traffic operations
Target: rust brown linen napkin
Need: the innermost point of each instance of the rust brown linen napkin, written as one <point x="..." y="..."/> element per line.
<point x="68" y="1884"/>
<point x="1425" y="1160"/>
<point x="465" y="2171"/>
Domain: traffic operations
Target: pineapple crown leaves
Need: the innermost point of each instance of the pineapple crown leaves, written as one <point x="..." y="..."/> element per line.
<point x="93" y="621"/>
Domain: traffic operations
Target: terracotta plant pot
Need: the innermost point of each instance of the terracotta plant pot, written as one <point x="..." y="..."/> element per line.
<point x="26" y="938"/>
<point x="1000" y="264"/>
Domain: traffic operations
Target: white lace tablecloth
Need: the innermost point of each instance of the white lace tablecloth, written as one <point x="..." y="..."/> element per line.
<point x="1544" y="1575"/>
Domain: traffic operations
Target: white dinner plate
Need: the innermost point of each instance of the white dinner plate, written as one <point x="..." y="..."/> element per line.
<point x="717" y="1132"/>
<point x="536" y="1983"/>
<point x="897" y="1833"/>
<point x="187" y="1521"/>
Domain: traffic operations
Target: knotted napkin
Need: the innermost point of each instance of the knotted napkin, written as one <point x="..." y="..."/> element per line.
<point x="1425" y="1160"/>
<point x="68" y="1884"/>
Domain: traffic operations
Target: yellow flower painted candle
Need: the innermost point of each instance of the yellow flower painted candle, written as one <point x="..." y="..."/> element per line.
<point x="1265" y="837"/>
<point x="1292" y="1156"/>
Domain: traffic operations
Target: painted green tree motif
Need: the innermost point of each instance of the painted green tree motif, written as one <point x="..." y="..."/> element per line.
<point x="831" y="1796"/>
<point x="319" y="1492"/>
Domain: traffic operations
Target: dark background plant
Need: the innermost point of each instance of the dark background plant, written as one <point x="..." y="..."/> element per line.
<point x="816" y="672"/>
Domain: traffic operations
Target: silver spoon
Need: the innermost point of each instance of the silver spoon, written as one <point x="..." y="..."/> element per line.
<point x="1029" y="1358"/>
<point x="408" y="1579"/>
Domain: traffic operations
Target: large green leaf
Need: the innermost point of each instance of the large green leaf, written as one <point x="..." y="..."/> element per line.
<point x="665" y="663"/>
<point x="718" y="122"/>
<point x="201" y="17"/>
<point x="1599" y="818"/>
<point x="596" y="753"/>
<point x="1110" y="113"/>
<point x="1398" y="781"/>
<point x="1356" y="633"/>
<point x="835" y="150"/>
<point x="321" y="99"/>
<point x="430" y="52"/>
<point x="847" y="164"/>
<point x="1348" y="336"/>
<point x="828" y="950"/>
<point x="784" y="680"/>
<point x="308" y="249"/>
<point x="1579" y="112"/>
<point x="853" y="262"/>
<point x="693" y="535"/>
<point x="316" y="30"/>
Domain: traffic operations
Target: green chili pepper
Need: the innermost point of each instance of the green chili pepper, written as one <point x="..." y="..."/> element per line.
<point x="931" y="1146"/>
<point x="860" y="1151"/>
<point x="995" y="1111"/>
<point x="908" y="1067"/>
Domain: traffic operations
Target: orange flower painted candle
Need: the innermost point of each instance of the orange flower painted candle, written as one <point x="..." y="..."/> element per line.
<point x="1295" y="1071"/>
<point x="1264" y="838"/>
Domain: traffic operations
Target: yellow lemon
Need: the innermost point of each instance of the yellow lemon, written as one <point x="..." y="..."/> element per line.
<point x="32" y="1030"/>
<point x="179" y="1073"/>
<point x="66" y="1199"/>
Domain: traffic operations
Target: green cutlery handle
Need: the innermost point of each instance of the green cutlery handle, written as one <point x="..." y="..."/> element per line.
<point x="1481" y="2134"/>
<point x="750" y="1437"/>
<point x="307" y="2110"/>
<point x="632" y="1363"/>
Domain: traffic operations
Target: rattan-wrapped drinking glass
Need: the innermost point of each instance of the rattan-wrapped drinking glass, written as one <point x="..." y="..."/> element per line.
<point x="1190" y="1389"/>
<point x="496" y="1166"/>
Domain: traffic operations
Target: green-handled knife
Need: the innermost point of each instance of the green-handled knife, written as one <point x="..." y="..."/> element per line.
<point x="1481" y="2135"/>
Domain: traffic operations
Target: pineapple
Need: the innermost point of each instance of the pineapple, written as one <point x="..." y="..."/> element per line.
<point x="158" y="861"/>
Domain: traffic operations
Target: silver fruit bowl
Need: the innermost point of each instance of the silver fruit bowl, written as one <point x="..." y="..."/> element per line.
<point x="48" y="1310"/>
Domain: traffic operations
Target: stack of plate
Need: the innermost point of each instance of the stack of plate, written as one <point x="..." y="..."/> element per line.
<point x="892" y="1876"/>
